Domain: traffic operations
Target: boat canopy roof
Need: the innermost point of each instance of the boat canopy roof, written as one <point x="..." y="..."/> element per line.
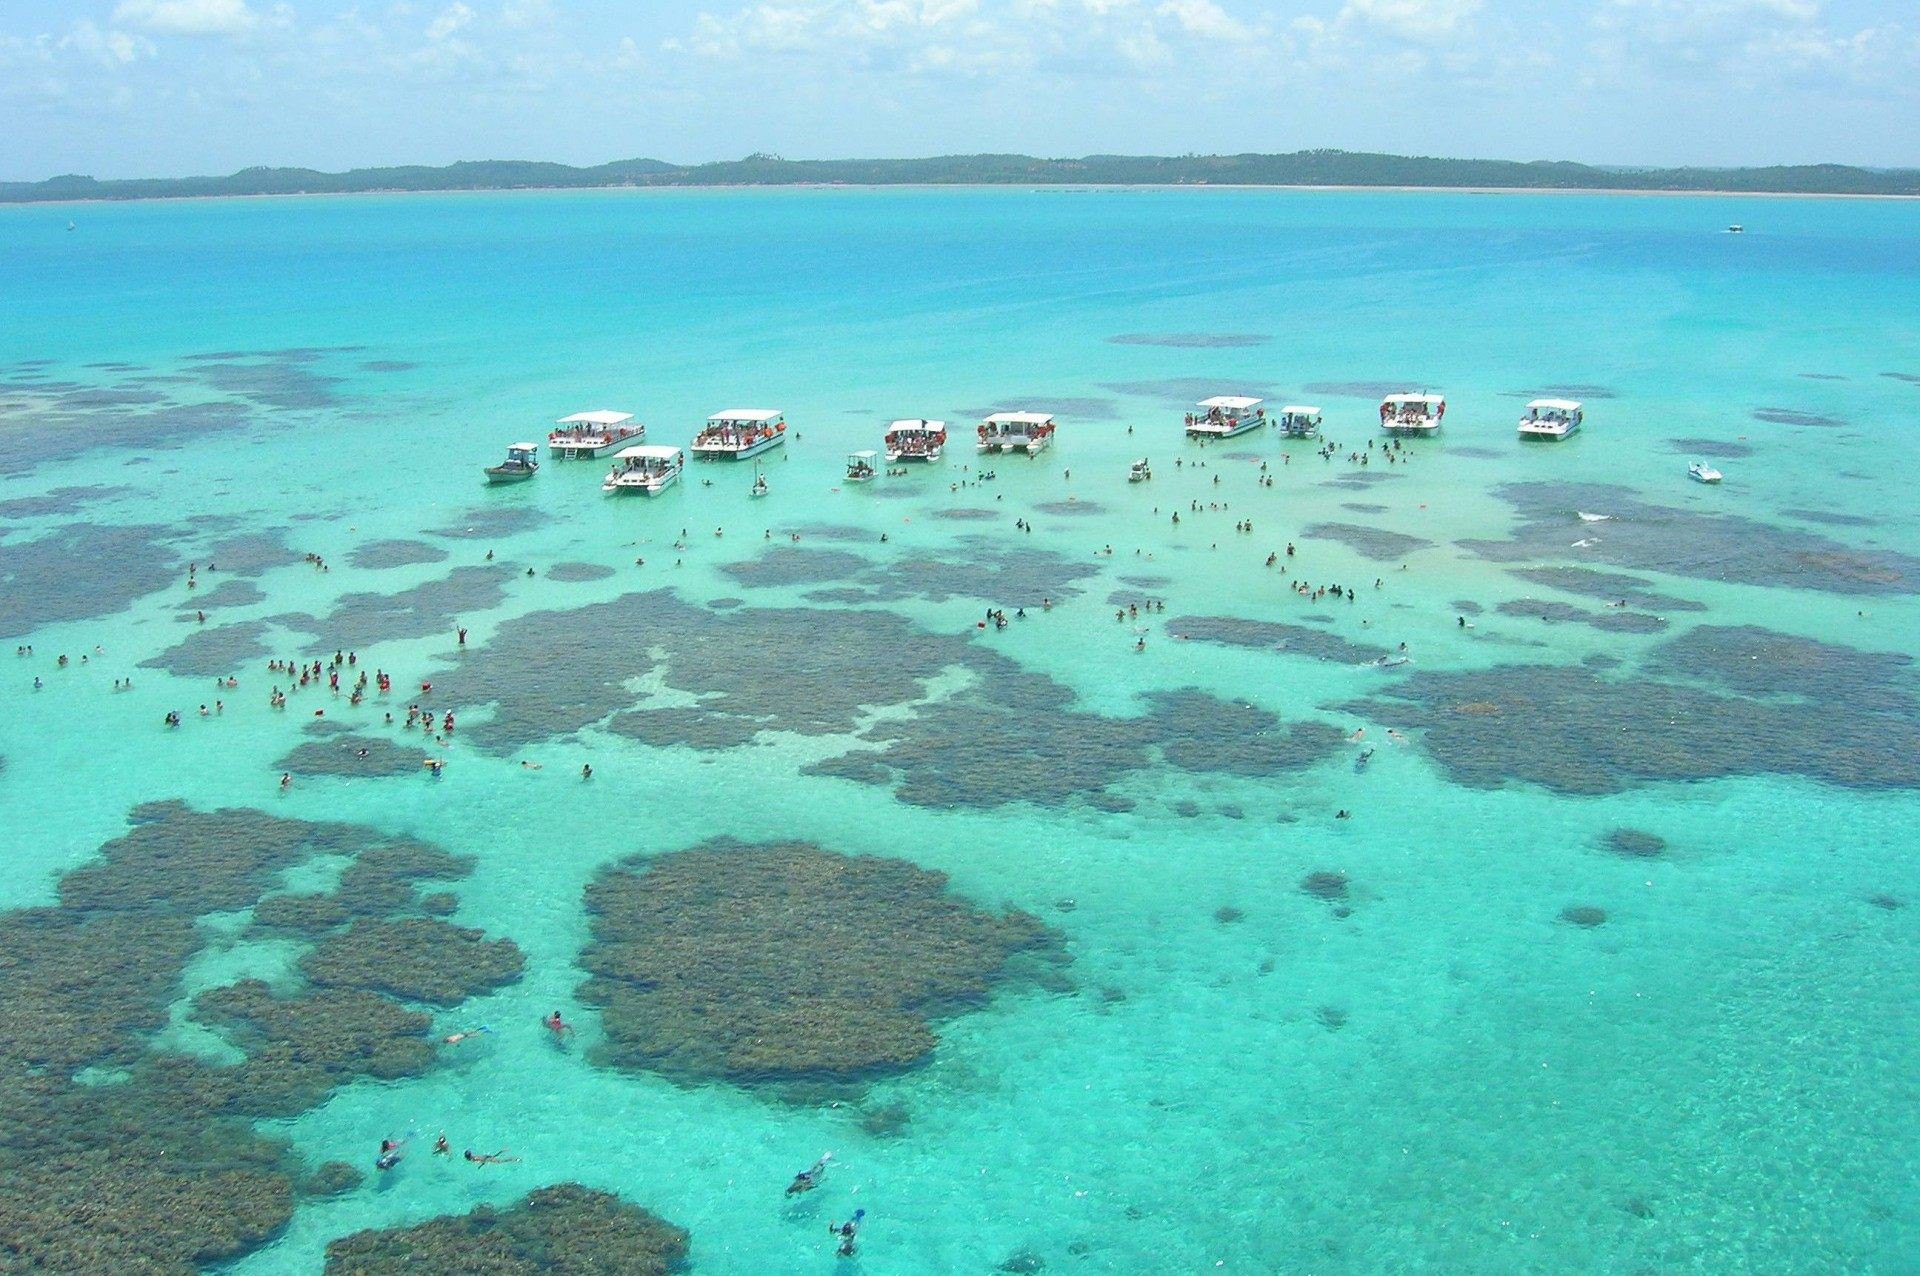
<point x="758" y="416"/>
<point x="861" y="456"/>
<point x="1410" y="396"/>
<point x="648" y="452"/>
<point x="1297" y="409"/>
<point x="1020" y="418"/>
<point x="599" y="417"/>
<point x="917" y="423"/>
<point x="523" y="447"/>
<point x="1231" y="402"/>
<point x="1555" y="405"/>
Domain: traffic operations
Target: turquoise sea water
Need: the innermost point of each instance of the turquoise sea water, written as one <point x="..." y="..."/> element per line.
<point x="1438" y="1071"/>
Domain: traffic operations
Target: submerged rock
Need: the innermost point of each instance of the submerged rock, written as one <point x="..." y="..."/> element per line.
<point x="1329" y="885"/>
<point x="1584" y="915"/>
<point x="1635" y="843"/>
<point x="567" y="1230"/>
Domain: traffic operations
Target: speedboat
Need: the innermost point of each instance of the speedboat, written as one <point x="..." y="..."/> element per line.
<point x="644" y="468"/>
<point x="739" y="433"/>
<point x="1412" y="413"/>
<point x="1028" y="432"/>
<point x="859" y="466"/>
<point x="593" y="433"/>
<point x="1551" y="419"/>
<point x="1224" y="416"/>
<point x="1139" y="471"/>
<point x="1701" y="472"/>
<point x="519" y="466"/>
<point x="1299" y="421"/>
<point x="915" y="440"/>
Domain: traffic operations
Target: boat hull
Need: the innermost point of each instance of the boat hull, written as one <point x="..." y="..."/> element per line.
<point x="1547" y="436"/>
<point x="727" y="452"/>
<point x="1032" y="447"/>
<point x="1225" y="432"/>
<point x="1421" y="429"/>
<point x="899" y="458"/>
<point x="516" y="475"/>
<point x="593" y="446"/>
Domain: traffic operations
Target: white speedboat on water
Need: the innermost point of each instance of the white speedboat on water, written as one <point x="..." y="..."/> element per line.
<point x="1224" y="416"/>
<point x="521" y="464"/>
<point x="1413" y="413"/>
<point x="1551" y="419"/>
<point x="739" y="433"/>
<point x="1299" y="421"/>
<point x="645" y="468"/>
<point x="860" y="466"/>
<point x="1028" y="432"/>
<point x="593" y="433"/>
<point x="1139" y="471"/>
<point x="1701" y="472"/>
<point x="915" y="440"/>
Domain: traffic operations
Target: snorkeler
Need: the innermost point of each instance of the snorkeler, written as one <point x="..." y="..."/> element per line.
<point x="847" y="1232"/>
<point x="490" y="1158"/>
<point x="391" y="1150"/>
<point x="465" y="1034"/>
<point x="440" y="1145"/>
<point x="809" y="1178"/>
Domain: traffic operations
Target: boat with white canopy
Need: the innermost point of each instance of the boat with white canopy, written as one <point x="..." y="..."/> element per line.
<point x="644" y="468"/>
<point x="915" y="440"/>
<point x="738" y="433"/>
<point x="1412" y="413"/>
<point x="860" y="466"/>
<point x="1139" y="471"/>
<point x="521" y="464"/>
<point x="1551" y="419"/>
<point x="1028" y="432"/>
<point x="1299" y="421"/>
<point x="1224" y="416"/>
<point x="1701" y="472"/>
<point x="596" y="433"/>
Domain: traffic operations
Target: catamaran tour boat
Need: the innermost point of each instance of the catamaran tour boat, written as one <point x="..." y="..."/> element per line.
<point x="919" y="440"/>
<point x="1552" y="419"/>
<point x="1410" y="413"/>
<point x="1028" y="432"/>
<point x="1701" y="472"/>
<point x="1298" y="421"/>
<point x="859" y="466"/>
<point x="739" y="433"/>
<point x="519" y="466"/>
<point x="1139" y="471"/>
<point x="593" y="433"/>
<point x="644" y="468"/>
<point x="1224" y="416"/>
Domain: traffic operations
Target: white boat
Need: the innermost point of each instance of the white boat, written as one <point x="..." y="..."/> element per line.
<point x="1551" y="419"/>
<point x="593" y="433"/>
<point x="916" y="440"/>
<point x="645" y="468"/>
<point x="1224" y="416"/>
<point x="1701" y="472"/>
<point x="1299" y="421"/>
<point x="759" y="485"/>
<point x="860" y="466"/>
<point x="1736" y="229"/>
<point x="521" y="464"/>
<point x="1028" y="432"/>
<point x="738" y="433"/>
<point x="1139" y="471"/>
<point x="1412" y="413"/>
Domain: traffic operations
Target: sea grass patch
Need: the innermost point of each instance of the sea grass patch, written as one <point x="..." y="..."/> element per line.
<point x="415" y="959"/>
<point x="353" y="757"/>
<point x="565" y="1230"/>
<point x="1718" y="449"/>
<point x="1635" y="591"/>
<point x="579" y="573"/>
<point x="360" y="620"/>
<point x="1554" y="613"/>
<point x="383" y="554"/>
<point x="485" y="522"/>
<point x="80" y="570"/>
<point x="1369" y="542"/>
<point x="214" y="652"/>
<point x="1269" y="635"/>
<point x="787" y="962"/>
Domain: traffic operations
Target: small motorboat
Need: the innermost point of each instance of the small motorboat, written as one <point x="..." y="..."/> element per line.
<point x="1701" y="472"/>
<point x="860" y="467"/>
<point x="1139" y="471"/>
<point x="1736" y="229"/>
<point x="759" y="485"/>
<point x="519" y="466"/>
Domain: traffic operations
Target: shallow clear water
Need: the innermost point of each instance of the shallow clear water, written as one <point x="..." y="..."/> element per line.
<point x="1451" y="1077"/>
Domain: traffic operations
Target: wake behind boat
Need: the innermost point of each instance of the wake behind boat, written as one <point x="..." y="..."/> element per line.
<point x="645" y="468"/>
<point x="738" y="433"/>
<point x="596" y="433"/>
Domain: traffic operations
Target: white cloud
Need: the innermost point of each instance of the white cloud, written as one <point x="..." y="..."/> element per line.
<point x="1205" y="19"/>
<point x="1424" y="20"/>
<point x="188" y="17"/>
<point x="107" y="46"/>
<point x="449" y="20"/>
<point x="1748" y="39"/>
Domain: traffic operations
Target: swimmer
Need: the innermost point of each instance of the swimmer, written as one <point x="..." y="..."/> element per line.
<point x="286" y="779"/>
<point x="391" y="1150"/>
<point x="809" y="1178"/>
<point x="1359" y="734"/>
<point x="586" y="770"/>
<point x="529" y="766"/>
<point x="847" y="1232"/>
<point x="465" y="1034"/>
<point x="557" y="1026"/>
<point x="441" y="1147"/>
<point x="490" y="1158"/>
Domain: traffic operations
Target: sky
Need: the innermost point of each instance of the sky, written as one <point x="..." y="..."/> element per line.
<point x="127" y="88"/>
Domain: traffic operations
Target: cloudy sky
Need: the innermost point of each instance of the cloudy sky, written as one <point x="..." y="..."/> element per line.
<point x="164" y="87"/>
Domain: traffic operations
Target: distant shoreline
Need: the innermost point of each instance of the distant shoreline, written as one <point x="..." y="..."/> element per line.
<point x="1010" y="187"/>
<point x="1298" y="171"/>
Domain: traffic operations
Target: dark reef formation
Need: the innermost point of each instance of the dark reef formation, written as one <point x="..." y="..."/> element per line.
<point x="414" y="958"/>
<point x="786" y="962"/>
<point x="1235" y="631"/>
<point x="1375" y="543"/>
<point x="565" y="1230"/>
<point x="340" y="755"/>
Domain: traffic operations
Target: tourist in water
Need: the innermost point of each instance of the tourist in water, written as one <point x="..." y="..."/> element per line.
<point x="559" y="1027"/>
<point x="809" y="1178"/>
<point x="586" y="770"/>
<point x="490" y="1158"/>
<point x="391" y="1150"/>
<point x="465" y="1034"/>
<point x="847" y="1232"/>
<point x="441" y="1146"/>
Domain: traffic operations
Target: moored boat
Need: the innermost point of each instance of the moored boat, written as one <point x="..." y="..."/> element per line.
<point x="1551" y="419"/>
<point x="759" y="485"/>
<point x="860" y="466"/>
<point x="1139" y="471"/>
<point x="915" y="440"/>
<point x="738" y="433"/>
<point x="1224" y="416"/>
<point x="521" y="464"/>
<point x="1701" y="472"/>
<point x="1028" y="432"/>
<point x="595" y="433"/>
<point x="644" y="468"/>
<point x="1299" y="421"/>
<point x="1412" y="413"/>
